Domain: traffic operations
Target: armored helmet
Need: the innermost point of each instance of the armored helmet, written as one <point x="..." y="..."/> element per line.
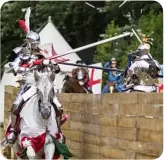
<point x="146" y="42"/>
<point x="33" y="37"/>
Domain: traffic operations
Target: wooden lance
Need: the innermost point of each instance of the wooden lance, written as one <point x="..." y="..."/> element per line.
<point x="93" y="44"/>
<point x="86" y="66"/>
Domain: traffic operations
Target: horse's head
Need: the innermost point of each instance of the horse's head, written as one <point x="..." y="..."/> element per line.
<point x="45" y="92"/>
<point x="80" y="74"/>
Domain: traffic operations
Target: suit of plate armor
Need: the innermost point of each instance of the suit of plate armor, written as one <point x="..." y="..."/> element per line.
<point x="142" y="70"/>
<point x="25" y="57"/>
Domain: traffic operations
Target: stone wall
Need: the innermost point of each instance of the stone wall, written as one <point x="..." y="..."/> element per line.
<point x="120" y="126"/>
<point x="116" y="126"/>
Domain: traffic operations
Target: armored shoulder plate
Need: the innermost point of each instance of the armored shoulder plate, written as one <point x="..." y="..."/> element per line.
<point x="17" y="50"/>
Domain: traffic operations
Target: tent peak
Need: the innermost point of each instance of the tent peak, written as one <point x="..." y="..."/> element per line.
<point x="49" y="19"/>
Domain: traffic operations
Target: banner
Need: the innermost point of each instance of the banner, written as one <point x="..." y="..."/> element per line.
<point x="95" y="76"/>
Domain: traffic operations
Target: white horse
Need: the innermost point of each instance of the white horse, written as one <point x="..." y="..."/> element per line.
<point x="38" y="121"/>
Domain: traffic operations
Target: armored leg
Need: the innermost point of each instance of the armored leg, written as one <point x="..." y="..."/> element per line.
<point x="15" y="110"/>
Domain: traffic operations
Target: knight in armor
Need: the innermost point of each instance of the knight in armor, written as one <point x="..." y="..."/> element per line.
<point x="112" y="76"/>
<point x="25" y="57"/>
<point x="142" y="70"/>
<point x="82" y="75"/>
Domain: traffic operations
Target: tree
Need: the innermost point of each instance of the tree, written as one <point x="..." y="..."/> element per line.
<point x="81" y="24"/>
<point x="153" y="23"/>
<point x="120" y="48"/>
<point x="115" y="48"/>
<point x="74" y="20"/>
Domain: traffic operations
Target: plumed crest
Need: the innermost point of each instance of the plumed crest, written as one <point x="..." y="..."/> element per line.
<point x="23" y="25"/>
<point x="27" y="19"/>
<point x="147" y="39"/>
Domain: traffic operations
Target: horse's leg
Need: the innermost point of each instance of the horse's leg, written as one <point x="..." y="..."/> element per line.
<point x="31" y="152"/>
<point x="16" y="148"/>
<point x="49" y="147"/>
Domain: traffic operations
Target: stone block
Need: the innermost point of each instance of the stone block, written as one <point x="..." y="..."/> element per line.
<point x="92" y="149"/>
<point x="119" y="98"/>
<point x="74" y="135"/>
<point x="92" y="156"/>
<point x="124" y="144"/>
<point x="76" y="145"/>
<point x="150" y="123"/>
<point x="77" y="154"/>
<point x="151" y="98"/>
<point x="65" y="106"/>
<point x="127" y="121"/>
<point x="142" y="156"/>
<point x="85" y="128"/>
<point x="64" y="97"/>
<point x="107" y="152"/>
<point x="128" y="98"/>
<point x="91" y="139"/>
<point x="109" y="109"/>
<point x="108" y="131"/>
<point x="78" y="97"/>
<point x="108" y="120"/>
<point x="153" y="110"/>
<point x="93" y="108"/>
<point x="74" y="107"/>
<point x="158" y="110"/>
<point x="127" y="133"/>
<point x="92" y="98"/>
<point x="146" y="148"/>
<point x="120" y="132"/>
<point x="129" y="109"/>
<point x="150" y="136"/>
<point x="85" y="118"/>
<point x="86" y="148"/>
<point x="109" y="141"/>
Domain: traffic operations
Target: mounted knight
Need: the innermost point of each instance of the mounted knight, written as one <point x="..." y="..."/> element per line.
<point x="29" y="59"/>
<point x="142" y="71"/>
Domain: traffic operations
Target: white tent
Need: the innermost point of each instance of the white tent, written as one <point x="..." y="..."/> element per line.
<point x="49" y="35"/>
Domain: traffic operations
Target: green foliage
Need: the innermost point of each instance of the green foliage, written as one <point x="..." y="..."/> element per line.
<point x="154" y="24"/>
<point x="115" y="48"/>
<point x="148" y="23"/>
<point x="76" y="21"/>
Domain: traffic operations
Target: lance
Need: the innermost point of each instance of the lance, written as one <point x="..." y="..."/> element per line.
<point x="123" y="3"/>
<point x="137" y="36"/>
<point x="95" y="67"/>
<point x="93" y="44"/>
<point x="89" y="45"/>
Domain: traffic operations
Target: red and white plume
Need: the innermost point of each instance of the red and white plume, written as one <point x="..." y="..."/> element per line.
<point x="25" y="24"/>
